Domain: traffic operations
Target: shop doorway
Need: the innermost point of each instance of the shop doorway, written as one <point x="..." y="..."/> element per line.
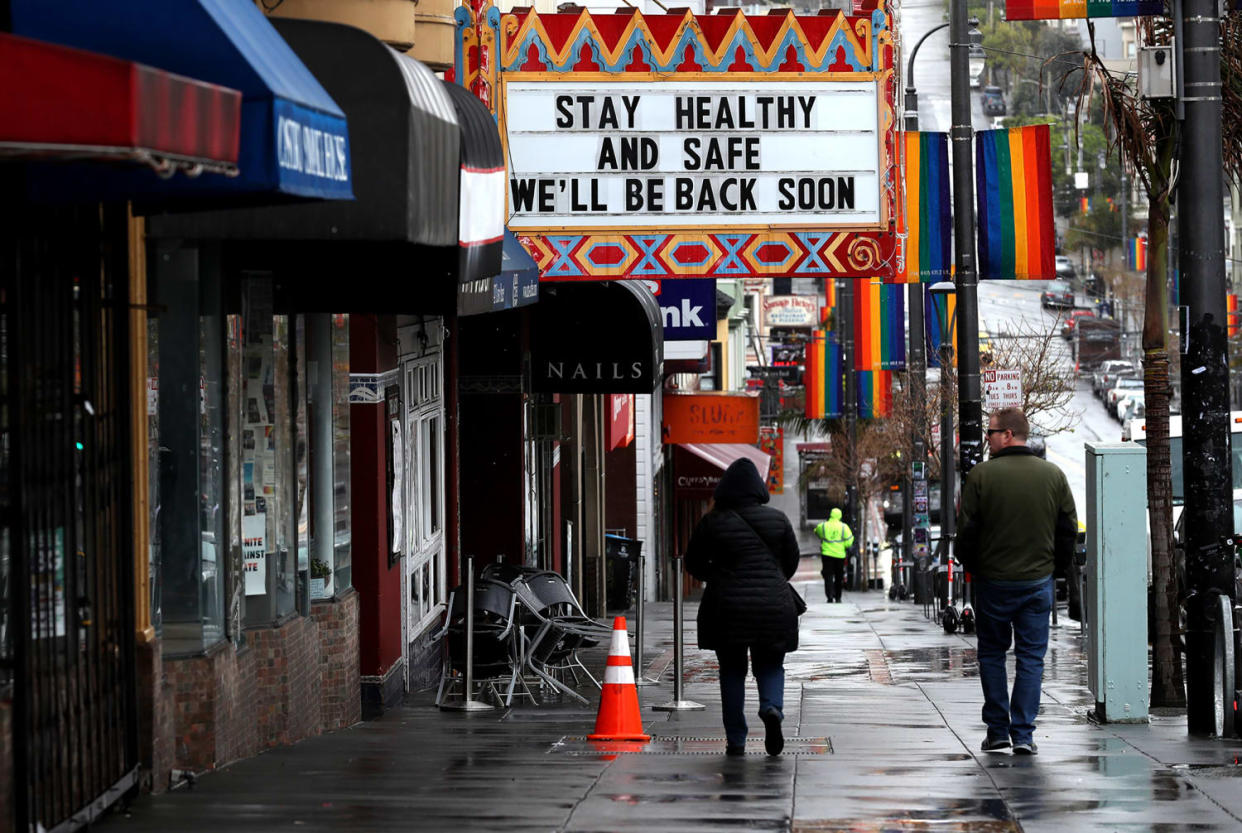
<point x="67" y="618"/>
<point x="424" y="580"/>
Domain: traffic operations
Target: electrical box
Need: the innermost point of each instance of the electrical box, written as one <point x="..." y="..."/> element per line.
<point x="1156" y="72"/>
<point x="1116" y="581"/>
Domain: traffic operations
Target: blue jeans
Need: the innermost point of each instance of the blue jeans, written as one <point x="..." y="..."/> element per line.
<point x="1003" y="611"/>
<point x="769" y="676"/>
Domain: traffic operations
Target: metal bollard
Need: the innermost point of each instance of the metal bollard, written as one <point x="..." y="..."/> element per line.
<point x="468" y="703"/>
<point x="640" y="612"/>
<point x="678" y="703"/>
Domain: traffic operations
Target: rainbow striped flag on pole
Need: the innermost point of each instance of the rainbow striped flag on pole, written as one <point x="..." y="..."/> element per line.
<point x="879" y="326"/>
<point x="823" y="383"/>
<point x="1013" y="181"/>
<point x="1136" y="254"/>
<point x="875" y="393"/>
<point x="928" y="215"/>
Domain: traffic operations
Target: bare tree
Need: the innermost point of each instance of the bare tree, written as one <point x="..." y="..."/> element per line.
<point x="1145" y="134"/>
<point x="1047" y="378"/>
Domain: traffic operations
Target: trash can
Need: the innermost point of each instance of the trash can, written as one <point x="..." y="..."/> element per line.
<point x="621" y="554"/>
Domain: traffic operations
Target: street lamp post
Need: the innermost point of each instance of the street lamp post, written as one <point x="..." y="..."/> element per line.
<point x="917" y="365"/>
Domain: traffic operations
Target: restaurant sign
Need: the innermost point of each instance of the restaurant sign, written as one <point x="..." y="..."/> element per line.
<point x="711" y="417"/>
<point x="791" y="311"/>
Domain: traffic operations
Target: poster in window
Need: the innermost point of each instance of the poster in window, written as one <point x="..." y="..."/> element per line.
<point x="254" y="553"/>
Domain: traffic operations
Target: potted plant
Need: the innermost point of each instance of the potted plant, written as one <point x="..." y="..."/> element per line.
<point x="321" y="579"/>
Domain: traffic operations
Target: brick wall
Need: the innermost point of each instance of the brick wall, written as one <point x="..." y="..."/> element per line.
<point x="228" y="704"/>
<point x="338" y="661"/>
<point x="7" y="809"/>
<point x="155" y="717"/>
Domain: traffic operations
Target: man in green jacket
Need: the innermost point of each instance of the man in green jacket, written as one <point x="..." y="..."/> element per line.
<point x="834" y="539"/>
<point x="1017" y="520"/>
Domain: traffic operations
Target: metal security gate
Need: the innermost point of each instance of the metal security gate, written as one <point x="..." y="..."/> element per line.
<point x="65" y="497"/>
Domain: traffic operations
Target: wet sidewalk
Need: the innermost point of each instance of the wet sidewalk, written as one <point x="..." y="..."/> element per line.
<point x="882" y="711"/>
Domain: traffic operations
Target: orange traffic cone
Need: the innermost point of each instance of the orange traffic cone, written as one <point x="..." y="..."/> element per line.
<point x="619" y="717"/>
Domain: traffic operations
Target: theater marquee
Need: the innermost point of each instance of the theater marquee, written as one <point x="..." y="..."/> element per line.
<point x="691" y="145"/>
<point x="693" y="154"/>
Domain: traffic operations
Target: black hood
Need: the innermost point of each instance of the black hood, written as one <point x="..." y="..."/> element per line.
<point x="741" y="485"/>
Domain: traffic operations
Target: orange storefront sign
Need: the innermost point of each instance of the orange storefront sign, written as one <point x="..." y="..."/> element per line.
<point x="711" y="417"/>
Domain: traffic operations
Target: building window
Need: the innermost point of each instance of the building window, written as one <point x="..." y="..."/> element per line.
<point x="327" y="395"/>
<point x="424" y="489"/>
<point x="186" y="355"/>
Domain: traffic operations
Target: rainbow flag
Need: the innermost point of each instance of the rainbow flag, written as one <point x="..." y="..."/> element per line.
<point x="1231" y="315"/>
<point x="928" y="215"/>
<point x="875" y="393"/>
<point x="1136" y="254"/>
<point x="934" y="312"/>
<point x="1013" y="180"/>
<point x="823" y="382"/>
<point x="879" y="326"/>
<point x="1080" y="9"/>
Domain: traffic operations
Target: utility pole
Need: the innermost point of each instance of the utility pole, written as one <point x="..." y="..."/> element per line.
<point x="970" y="409"/>
<point x="1205" y="370"/>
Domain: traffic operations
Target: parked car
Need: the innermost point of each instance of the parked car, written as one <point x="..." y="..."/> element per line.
<point x="1058" y="294"/>
<point x="1067" y="329"/>
<point x="1065" y="267"/>
<point x="1107" y="374"/>
<point x="1131" y="406"/>
<point x="993" y="102"/>
<point x="1096" y="340"/>
<point x="1123" y="387"/>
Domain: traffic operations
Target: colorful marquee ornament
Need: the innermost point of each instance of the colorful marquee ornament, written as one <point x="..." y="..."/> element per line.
<point x="577" y="229"/>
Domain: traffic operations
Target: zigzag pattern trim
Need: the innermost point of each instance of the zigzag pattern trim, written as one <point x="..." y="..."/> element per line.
<point x="725" y="255"/>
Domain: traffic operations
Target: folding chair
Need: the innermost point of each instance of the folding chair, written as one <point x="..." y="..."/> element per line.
<point x="563" y="628"/>
<point x="496" y="650"/>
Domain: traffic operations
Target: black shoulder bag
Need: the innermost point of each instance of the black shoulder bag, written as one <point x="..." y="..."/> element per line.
<point x="799" y="602"/>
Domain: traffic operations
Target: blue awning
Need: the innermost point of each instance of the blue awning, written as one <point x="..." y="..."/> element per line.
<point x="517" y="285"/>
<point x="294" y="139"/>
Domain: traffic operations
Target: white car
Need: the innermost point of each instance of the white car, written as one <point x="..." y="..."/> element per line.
<point x="1131" y="406"/>
<point x="1124" y="387"/>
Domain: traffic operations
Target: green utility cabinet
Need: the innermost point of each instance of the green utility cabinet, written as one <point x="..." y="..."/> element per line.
<point x="1116" y="581"/>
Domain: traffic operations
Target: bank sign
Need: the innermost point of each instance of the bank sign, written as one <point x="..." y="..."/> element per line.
<point x="685" y="153"/>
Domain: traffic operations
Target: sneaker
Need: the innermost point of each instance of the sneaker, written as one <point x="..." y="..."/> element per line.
<point x="995" y="744"/>
<point x="1026" y="748"/>
<point x="774" y="740"/>
<point x="732" y="750"/>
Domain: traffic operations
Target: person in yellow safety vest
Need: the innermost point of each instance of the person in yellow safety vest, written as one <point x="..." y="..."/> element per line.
<point x="835" y="538"/>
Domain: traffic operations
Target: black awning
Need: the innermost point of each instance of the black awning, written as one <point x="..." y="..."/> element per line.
<point x="596" y="337"/>
<point x="405" y="148"/>
<point x="517" y="285"/>
<point x="481" y="195"/>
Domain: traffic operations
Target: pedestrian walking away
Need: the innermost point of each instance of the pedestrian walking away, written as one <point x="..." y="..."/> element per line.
<point x="1016" y="526"/>
<point x="746" y="552"/>
<point x="835" y="538"/>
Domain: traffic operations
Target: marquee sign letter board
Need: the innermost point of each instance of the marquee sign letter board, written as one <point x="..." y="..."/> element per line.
<point x="695" y="146"/>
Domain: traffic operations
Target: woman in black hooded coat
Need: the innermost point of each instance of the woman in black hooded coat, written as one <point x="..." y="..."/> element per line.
<point x="745" y="552"/>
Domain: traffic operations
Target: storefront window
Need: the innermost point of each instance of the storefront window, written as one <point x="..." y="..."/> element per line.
<point x="343" y="571"/>
<point x="187" y="489"/>
<point x="268" y="522"/>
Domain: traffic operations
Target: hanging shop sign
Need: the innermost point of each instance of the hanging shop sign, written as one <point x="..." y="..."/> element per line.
<point x="710" y="417"/>
<point x="693" y="145"/>
<point x="687" y="307"/>
<point x="791" y="311"/>
<point x="599" y="337"/>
